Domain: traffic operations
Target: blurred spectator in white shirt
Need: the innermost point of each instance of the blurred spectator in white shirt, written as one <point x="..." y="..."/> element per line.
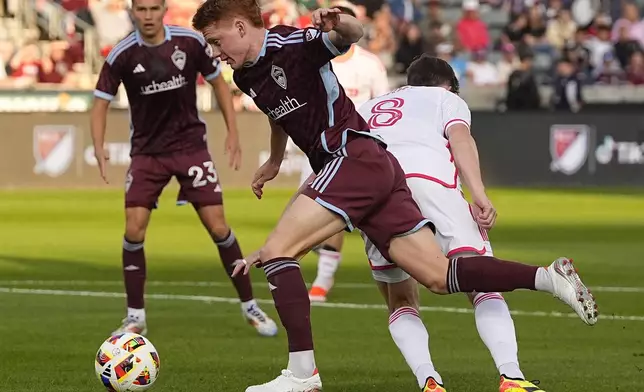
<point x="112" y="21"/>
<point x="508" y="63"/>
<point x="480" y="71"/>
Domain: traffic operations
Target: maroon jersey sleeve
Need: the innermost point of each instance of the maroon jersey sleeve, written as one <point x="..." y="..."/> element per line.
<point x="209" y="66"/>
<point x="318" y="47"/>
<point x="109" y="79"/>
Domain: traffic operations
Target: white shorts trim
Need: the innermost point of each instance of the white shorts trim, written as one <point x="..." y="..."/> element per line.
<point x="456" y="230"/>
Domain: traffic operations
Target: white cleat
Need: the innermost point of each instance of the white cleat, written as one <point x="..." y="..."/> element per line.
<point x="569" y="288"/>
<point x="256" y="317"/>
<point x="286" y="382"/>
<point x="132" y="325"/>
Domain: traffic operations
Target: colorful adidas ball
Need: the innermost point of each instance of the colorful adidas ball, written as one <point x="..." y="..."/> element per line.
<point x="126" y="363"/>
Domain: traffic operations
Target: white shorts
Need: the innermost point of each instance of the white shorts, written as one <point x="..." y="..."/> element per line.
<point x="457" y="232"/>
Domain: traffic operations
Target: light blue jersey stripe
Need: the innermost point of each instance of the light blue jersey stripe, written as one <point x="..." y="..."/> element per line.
<point x="332" y="90"/>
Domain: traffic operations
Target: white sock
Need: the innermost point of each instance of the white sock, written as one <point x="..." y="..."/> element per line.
<point x="302" y="364"/>
<point x="136" y="314"/>
<point x="328" y="263"/>
<point x="496" y="328"/>
<point x="248" y="304"/>
<point x="411" y="337"/>
<point x="542" y="281"/>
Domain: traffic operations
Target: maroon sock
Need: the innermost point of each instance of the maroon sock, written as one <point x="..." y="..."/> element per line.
<point x="291" y="301"/>
<point x="134" y="273"/>
<point x="488" y="274"/>
<point x="230" y="253"/>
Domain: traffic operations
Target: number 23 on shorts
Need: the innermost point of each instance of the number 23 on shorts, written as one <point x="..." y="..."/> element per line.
<point x="203" y="175"/>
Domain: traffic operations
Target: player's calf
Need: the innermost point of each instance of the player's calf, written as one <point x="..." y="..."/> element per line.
<point x="134" y="269"/>
<point x="419" y="255"/>
<point x="213" y="219"/>
<point x="407" y="329"/>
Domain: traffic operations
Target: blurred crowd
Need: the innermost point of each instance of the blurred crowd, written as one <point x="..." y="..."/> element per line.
<point x="513" y="43"/>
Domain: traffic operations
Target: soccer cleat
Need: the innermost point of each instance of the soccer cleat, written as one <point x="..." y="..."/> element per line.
<point x="432" y="385"/>
<point x="317" y="294"/>
<point x="256" y="317"/>
<point x="569" y="288"/>
<point x="132" y="325"/>
<point x="518" y="385"/>
<point x="286" y="382"/>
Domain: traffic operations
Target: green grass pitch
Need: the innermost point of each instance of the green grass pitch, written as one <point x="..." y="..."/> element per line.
<point x="70" y="242"/>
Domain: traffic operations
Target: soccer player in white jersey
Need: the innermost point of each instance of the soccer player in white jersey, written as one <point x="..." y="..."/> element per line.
<point x="363" y="77"/>
<point x="426" y="126"/>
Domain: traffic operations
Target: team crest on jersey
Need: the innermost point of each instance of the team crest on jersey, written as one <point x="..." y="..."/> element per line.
<point x="209" y="51"/>
<point x="279" y="76"/>
<point x="312" y="34"/>
<point x="569" y="145"/>
<point x="53" y="149"/>
<point x="179" y="58"/>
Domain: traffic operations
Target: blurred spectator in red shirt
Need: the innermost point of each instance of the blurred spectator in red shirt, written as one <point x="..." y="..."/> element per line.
<point x="26" y="62"/>
<point x="57" y="66"/>
<point x="472" y="31"/>
<point x="635" y="71"/>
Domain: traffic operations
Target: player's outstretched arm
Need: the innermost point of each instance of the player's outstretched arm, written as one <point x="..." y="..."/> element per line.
<point x="225" y="103"/>
<point x="271" y="168"/>
<point x="344" y="30"/>
<point x="279" y="138"/>
<point x="466" y="158"/>
<point x="98" y="123"/>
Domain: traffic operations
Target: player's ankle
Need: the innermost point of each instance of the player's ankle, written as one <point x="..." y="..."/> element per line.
<point x="136" y="314"/>
<point x="302" y="364"/>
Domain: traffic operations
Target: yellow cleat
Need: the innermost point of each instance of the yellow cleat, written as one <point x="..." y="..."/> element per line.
<point x="432" y="386"/>
<point x="518" y="385"/>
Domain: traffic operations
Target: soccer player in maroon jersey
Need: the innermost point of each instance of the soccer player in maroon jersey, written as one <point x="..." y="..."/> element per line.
<point x="158" y="66"/>
<point x="359" y="183"/>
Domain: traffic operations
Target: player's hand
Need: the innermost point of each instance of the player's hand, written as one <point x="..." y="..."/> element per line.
<point x="326" y="19"/>
<point x="264" y="174"/>
<point x="484" y="213"/>
<point x="233" y="150"/>
<point x="102" y="157"/>
<point x="245" y="264"/>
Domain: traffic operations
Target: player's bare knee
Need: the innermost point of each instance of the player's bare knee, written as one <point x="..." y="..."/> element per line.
<point x="219" y="231"/>
<point x="135" y="230"/>
<point x="271" y="251"/>
<point x="403" y="294"/>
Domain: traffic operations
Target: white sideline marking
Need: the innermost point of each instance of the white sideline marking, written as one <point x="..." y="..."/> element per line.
<point x="599" y="289"/>
<point x="205" y="298"/>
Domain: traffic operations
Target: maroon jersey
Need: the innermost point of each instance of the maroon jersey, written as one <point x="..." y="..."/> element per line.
<point x="293" y="83"/>
<point x="160" y="82"/>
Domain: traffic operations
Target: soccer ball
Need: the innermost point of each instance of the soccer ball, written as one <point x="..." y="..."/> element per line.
<point x="127" y="362"/>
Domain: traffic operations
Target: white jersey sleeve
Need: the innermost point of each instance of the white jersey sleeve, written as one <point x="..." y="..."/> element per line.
<point x="454" y="111"/>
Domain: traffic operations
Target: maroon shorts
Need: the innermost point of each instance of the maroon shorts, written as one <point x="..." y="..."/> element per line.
<point x="366" y="186"/>
<point x="195" y="172"/>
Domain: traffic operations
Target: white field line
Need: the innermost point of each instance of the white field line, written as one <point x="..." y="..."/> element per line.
<point x="599" y="289"/>
<point x="205" y="298"/>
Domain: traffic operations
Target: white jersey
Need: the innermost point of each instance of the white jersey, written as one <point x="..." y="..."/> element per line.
<point x="414" y="121"/>
<point x="363" y="76"/>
